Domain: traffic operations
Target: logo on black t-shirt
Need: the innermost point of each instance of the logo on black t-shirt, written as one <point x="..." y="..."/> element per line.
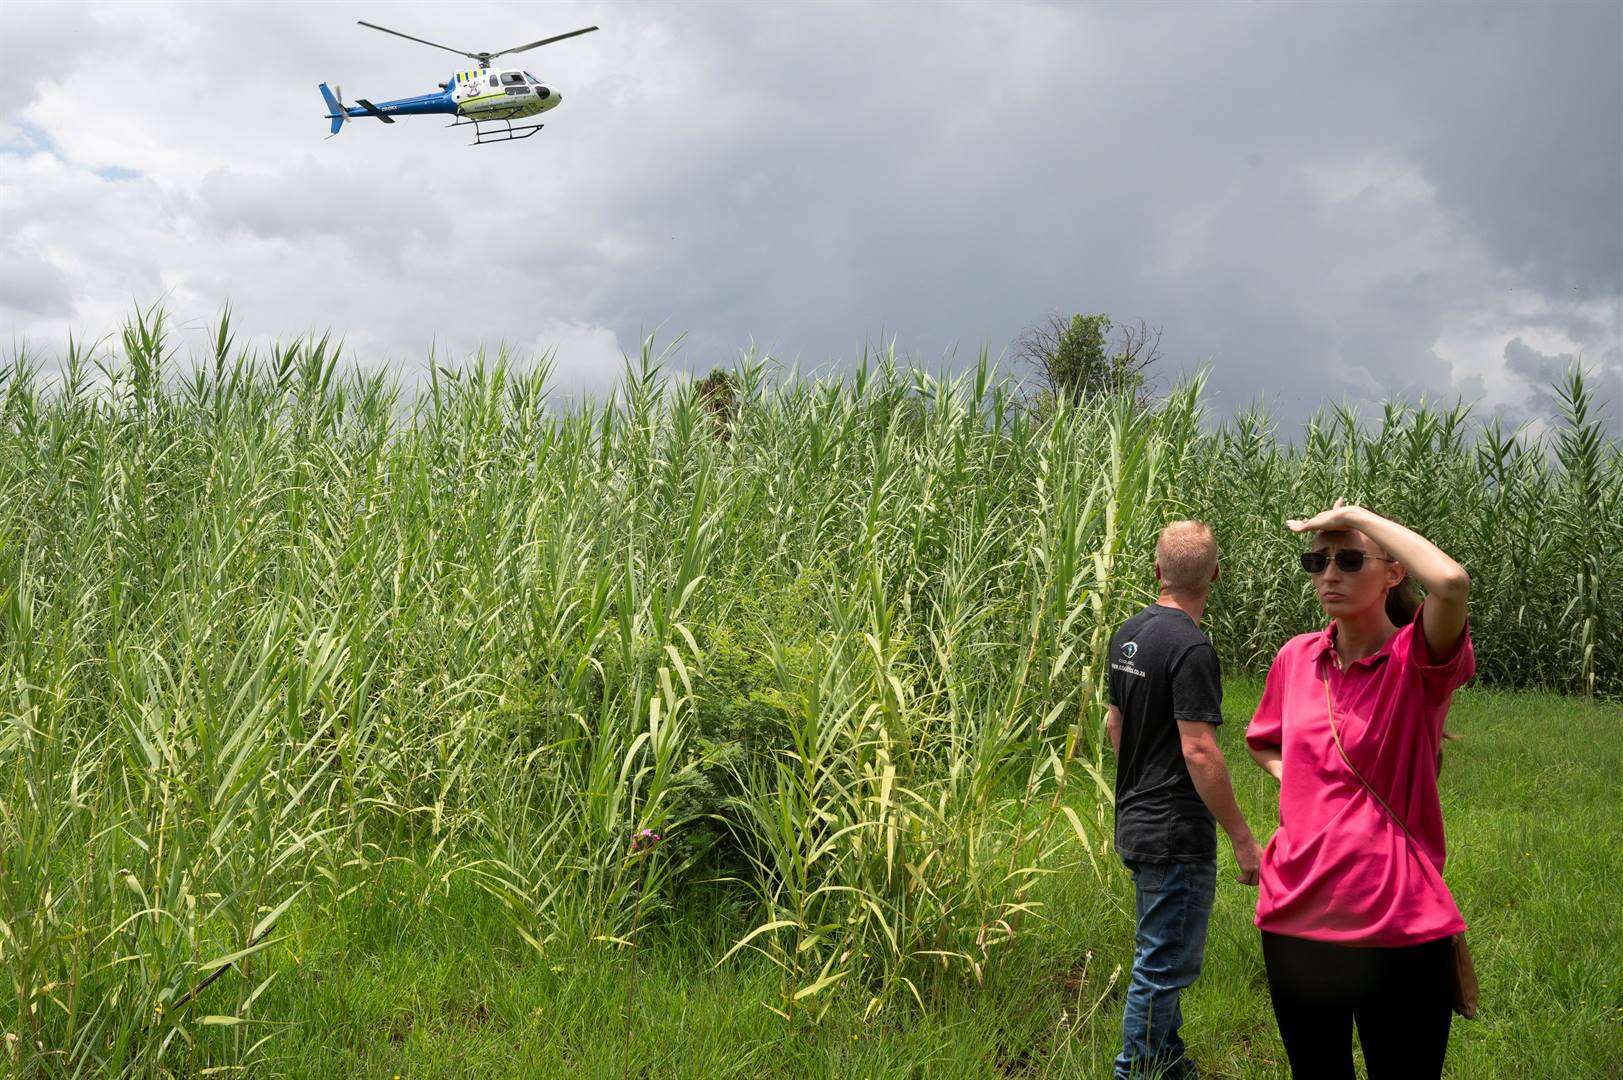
<point x="1128" y="651"/>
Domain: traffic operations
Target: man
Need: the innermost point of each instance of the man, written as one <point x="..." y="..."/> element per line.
<point x="1171" y="784"/>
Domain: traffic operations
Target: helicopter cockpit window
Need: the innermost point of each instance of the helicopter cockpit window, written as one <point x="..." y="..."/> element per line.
<point x="512" y="78"/>
<point x="533" y="80"/>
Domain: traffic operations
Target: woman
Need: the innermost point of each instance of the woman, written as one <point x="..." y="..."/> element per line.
<point x="1354" y="915"/>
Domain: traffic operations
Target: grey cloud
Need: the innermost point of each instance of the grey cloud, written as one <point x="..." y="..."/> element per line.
<point x="38" y="40"/>
<point x="1534" y="366"/>
<point x="1541" y="372"/>
<point x="1313" y="197"/>
<point x="311" y="201"/>
<point x="1523" y="136"/>
<point x="882" y="212"/>
<point x="32" y="285"/>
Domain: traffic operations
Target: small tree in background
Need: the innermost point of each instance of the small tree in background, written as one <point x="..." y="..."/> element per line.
<point x="719" y="394"/>
<point x="1075" y="358"/>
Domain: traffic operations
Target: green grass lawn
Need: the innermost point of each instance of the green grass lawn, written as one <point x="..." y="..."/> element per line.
<point x="419" y="979"/>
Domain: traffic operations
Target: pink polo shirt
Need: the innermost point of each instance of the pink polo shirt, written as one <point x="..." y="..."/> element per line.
<point x="1338" y="869"/>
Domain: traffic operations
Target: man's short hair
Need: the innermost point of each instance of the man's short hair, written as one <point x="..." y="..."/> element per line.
<point x="1187" y="555"/>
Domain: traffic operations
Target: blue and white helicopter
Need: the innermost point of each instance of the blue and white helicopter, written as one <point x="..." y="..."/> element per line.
<point x="487" y="100"/>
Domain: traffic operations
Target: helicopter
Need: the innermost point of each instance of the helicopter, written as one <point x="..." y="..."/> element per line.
<point x="485" y="99"/>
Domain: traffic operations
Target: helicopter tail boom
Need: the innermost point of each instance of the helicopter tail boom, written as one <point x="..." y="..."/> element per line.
<point x="335" y="110"/>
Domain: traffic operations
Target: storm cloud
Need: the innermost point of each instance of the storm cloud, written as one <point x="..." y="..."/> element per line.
<point x="1320" y="201"/>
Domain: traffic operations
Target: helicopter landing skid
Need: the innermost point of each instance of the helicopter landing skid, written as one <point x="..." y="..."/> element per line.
<point x="495" y="129"/>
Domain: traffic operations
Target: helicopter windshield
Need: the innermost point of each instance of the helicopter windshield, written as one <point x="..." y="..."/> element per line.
<point x="532" y="78"/>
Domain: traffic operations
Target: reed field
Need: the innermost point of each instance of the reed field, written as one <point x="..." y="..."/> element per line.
<point x="750" y="726"/>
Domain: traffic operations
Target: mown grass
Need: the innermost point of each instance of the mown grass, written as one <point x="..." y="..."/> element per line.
<point x="428" y="986"/>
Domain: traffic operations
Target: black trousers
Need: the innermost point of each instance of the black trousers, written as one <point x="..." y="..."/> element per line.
<point x="1401" y="999"/>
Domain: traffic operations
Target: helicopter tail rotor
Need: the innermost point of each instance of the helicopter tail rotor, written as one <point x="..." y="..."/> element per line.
<point x="336" y="112"/>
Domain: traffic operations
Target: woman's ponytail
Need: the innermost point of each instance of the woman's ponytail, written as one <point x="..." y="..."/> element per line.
<point x="1400" y="599"/>
<point x="1400" y="603"/>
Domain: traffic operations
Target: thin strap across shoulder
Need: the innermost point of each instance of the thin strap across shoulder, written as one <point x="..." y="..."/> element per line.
<point x="1330" y="707"/>
<point x="1462" y="969"/>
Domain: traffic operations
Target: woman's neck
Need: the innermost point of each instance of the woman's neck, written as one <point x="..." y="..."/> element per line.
<point x="1361" y="635"/>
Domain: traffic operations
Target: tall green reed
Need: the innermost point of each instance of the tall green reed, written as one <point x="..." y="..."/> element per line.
<point x="266" y="624"/>
<point x="1534" y="516"/>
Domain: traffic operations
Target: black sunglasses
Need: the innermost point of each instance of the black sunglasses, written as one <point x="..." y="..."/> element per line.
<point x="1348" y="560"/>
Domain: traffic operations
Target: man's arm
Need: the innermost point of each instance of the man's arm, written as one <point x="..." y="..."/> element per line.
<point x="1113" y="728"/>
<point x="1211" y="776"/>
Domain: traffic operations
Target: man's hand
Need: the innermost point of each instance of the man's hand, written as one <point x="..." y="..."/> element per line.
<point x="1248" y="856"/>
<point x="1211" y="779"/>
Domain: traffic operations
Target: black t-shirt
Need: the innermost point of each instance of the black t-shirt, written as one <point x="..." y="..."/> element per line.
<point x="1162" y="670"/>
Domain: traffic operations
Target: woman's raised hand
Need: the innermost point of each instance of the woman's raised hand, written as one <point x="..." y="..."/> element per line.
<point x="1339" y="516"/>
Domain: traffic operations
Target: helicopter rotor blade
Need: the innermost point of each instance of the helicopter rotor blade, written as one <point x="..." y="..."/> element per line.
<point x="543" y="41"/>
<point x="420" y="41"/>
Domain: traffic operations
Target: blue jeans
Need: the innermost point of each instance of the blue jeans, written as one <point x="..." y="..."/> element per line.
<point x="1174" y="902"/>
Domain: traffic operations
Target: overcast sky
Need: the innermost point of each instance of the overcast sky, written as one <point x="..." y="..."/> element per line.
<point x="1320" y="200"/>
